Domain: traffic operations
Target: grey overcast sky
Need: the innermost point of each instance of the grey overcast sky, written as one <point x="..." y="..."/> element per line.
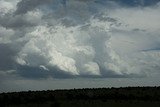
<point x="56" y="44"/>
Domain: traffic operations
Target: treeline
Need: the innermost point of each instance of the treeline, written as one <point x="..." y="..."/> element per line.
<point x="95" y="95"/>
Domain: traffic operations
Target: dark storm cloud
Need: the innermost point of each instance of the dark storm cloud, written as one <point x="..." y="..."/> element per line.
<point x="39" y="73"/>
<point x="15" y="22"/>
<point x="6" y="57"/>
<point x="128" y="3"/>
<point x="134" y="3"/>
<point x="27" y="5"/>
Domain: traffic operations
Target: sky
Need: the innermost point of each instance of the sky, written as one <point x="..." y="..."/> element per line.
<point x="63" y="44"/>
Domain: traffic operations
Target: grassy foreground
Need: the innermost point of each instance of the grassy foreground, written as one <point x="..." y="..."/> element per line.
<point x="98" y="97"/>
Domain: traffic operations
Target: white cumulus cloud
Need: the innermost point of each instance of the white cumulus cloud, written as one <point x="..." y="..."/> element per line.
<point x="80" y="38"/>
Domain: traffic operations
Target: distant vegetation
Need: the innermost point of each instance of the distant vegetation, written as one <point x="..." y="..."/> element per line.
<point x="98" y="97"/>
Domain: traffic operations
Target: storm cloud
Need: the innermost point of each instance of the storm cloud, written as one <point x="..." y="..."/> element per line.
<point x="78" y="38"/>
